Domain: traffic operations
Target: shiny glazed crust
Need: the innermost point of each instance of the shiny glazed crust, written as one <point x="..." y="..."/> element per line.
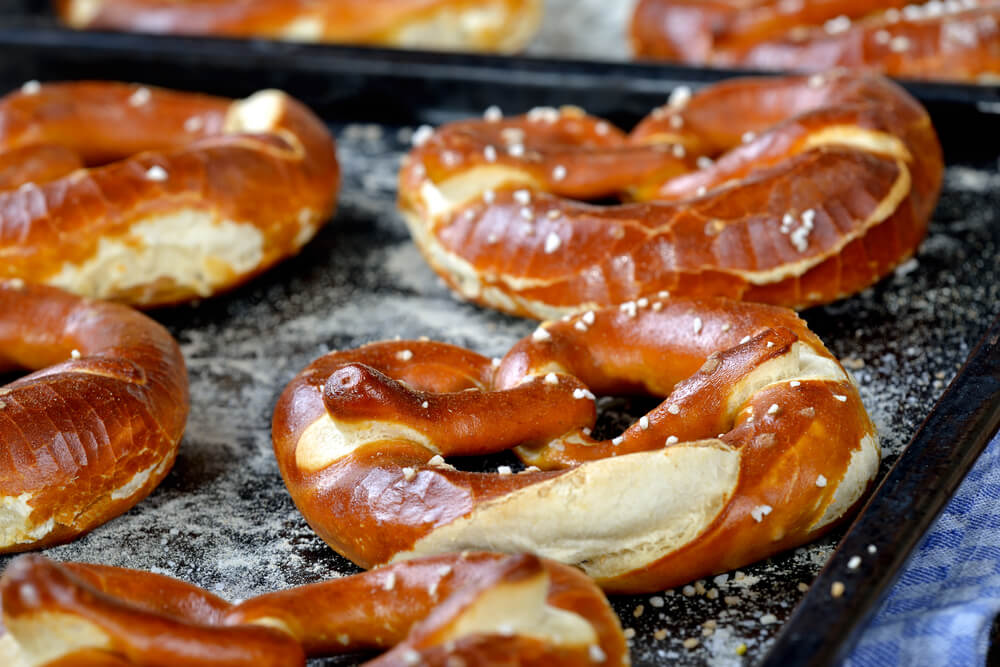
<point x="466" y="25"/>
<point x="793" y="191"/>
<point x="761" y="444"/>
<point x="185" y="195"/>
<point x="473" y="609"/>
<point x="97" y="428"/>
<point x="955" y="41"/>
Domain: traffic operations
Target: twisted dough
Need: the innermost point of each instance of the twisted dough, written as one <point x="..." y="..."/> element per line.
<point x="477" y="25"/>
<point x="955" y="40"/>
<point x="762" y="448"/>
<point x="475" y="609"/>
<point x="93" y="432"/>
<point x="186" y="195"/>
<point x="793" y="191"/>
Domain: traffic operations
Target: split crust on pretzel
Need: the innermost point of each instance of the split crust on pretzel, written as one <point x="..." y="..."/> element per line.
<point x="761" y="444"/>
<point x="149" y="196"/>
<point x="474" y="609"/>
<point x="96" y="428"/>
<point x="476" y="25"/>
<point x="957" y="40"/>
<point x="793" y="191"/>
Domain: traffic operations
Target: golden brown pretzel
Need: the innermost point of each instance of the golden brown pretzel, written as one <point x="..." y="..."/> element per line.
<point x="95" y="430"/>
<point x="186" y="195"/>
<point x="763" y="447"/>
<point x="474" y="609"/>
<point x="952" y="40"/>
<point x="479" y="25"/>
<point x="794" y="191"/>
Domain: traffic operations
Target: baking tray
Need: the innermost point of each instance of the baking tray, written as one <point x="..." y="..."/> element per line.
<point x="34" y="21"/>
<point x="223" y="519"/>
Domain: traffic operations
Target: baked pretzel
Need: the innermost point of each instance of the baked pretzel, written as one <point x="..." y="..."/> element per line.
<point x="186" y="194"/>
<point x="762" y="448"/>
<point x="95" y="430"/>
<point x="474" y="609"/>
<point x="793" y="191"/>
<point x="956" y="40"/>
<point x="478" y="25"/>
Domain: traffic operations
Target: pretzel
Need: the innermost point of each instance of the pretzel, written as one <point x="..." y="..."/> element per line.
<point x="97" y="428"/>
<point x="794" y="191"/>
<point x="474" y="609"/>
<point x="186" y="195"/>
<point x="763" y="447"/>
<point x="478" y="25"/>
<point x="957" y="40"/>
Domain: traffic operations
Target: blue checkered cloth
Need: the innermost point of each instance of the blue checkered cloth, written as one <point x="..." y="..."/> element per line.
<point x="942" y="609"/>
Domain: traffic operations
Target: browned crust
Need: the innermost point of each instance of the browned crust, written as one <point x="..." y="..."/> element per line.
<point x="918" y="43"/>
<point x="152" y="619"/>
<point x="54" y="214"/>
<point x="778" y="149"/>
<point x="110" y="402"/>
<point x="381" y="499"/>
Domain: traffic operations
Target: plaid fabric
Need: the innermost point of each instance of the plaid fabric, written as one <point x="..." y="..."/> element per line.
<point x="942" y="609"/>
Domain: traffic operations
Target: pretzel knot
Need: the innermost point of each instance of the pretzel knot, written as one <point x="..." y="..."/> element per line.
<point x="793" y="191"/>
<point x="955" y="40"/>
<point x="96" y="428"/>
<point x="761" y="444"/>
<point x="150" y="196"/>
<point x="477" y="25"/>
<point x="474" y="609"/>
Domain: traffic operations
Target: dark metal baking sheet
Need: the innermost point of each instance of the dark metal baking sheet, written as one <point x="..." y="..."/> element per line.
<point x="33" y="21"/>
<point x="223" y="519"/>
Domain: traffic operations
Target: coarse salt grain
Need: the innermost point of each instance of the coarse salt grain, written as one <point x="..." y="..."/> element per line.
<point x="679" y="97"/>
<point x="552" y="243"/>
<point x="673" y="440"/>
<point x="409" y="474"/>
<point x="854" y="563"/>
<point x="156" y="173"/>
<point x="75" y="354"/>
<point x="140" y="97"/>
<point x="674" y="409"/>
<point x="31" y="87"/>
<point x="540" y="335"/>
<point x="558" y="172"/>
<point x="493" y="114"/>
<point x="644" y="423"/>
<point x="821" y="481"/>
<point x="758" y="513"/>
<point x="404" y="355"/>
<point x="551" y="378"/>
<point x="422" y="135"/>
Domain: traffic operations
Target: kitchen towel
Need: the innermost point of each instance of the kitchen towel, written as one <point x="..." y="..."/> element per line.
<point x="941" y="610"/>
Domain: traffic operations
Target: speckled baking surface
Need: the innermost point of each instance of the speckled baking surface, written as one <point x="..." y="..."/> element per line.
<point x="223" y="518"/>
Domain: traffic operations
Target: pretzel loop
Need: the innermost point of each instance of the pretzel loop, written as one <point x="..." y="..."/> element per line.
<point x="957" y="41"/>
<point x="96" y="428"/>
<point x="793" y="191"/>
<point x="760" y="444"/>
<point x="150" y="196"/>
<point x="479" y="608"/>
<point x="478" y="25"/>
